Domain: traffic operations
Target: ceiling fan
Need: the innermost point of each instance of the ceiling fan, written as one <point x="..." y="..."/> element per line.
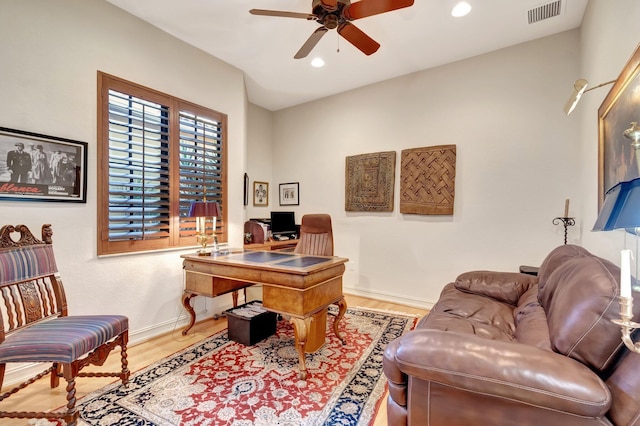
<point x="338" y="14"/>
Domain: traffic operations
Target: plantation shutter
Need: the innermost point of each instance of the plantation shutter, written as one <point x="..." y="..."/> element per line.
<point x="138" y="169"/>
<point x="156" y="155"/>
<point x="201" y="171"/>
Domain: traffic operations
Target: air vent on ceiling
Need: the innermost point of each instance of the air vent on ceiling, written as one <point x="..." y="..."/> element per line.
<point x="544" y="11"/>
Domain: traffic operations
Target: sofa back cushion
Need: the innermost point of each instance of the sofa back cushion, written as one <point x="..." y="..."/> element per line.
<point x="556" y="258"/>
<point x="580" y="297"/>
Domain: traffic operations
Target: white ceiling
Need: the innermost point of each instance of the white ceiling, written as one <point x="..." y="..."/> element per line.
<point x="419" y="37"/>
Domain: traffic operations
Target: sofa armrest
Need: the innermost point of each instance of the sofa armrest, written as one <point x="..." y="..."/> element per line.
<point x="503" y="286"/>
<point x="501" y="369"/>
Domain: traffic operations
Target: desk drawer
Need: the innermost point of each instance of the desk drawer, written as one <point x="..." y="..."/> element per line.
<point x="208" y="285"/>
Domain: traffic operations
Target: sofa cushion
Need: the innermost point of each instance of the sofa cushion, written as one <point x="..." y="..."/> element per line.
<point x="580" y="299"/>
<point x="505" y="287"/>
<point x="470" y="313"/>
<point x="554" y="259"/>
<point x="531" y="321"/>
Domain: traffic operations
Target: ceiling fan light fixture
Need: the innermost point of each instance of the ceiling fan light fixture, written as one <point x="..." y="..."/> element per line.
<point x="317" y="63"/>
<point x="461" y="9"/>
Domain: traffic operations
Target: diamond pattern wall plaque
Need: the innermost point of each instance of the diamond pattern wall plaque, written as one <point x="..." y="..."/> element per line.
<point x="427" y="180"/>
<point x="369" y="182"/>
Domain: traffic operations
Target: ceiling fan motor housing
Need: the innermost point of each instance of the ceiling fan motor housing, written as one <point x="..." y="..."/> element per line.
<point x="327" y="16"/>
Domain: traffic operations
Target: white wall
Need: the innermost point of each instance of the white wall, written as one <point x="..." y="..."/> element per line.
<point x="517" y="162"/>
<point x="610" y="34"/>
<point x="51" y="52"/>
<point x="259" y="158"/>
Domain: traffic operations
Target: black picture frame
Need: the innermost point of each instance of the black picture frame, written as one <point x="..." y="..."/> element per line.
<point x="290" y="194"/>
<point x="55" y="170"/>
<point x="246" y="190"/>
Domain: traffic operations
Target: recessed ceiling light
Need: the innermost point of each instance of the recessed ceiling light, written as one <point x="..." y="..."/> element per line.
<point x="461" y="9"/>
<point x="317" y="62"/>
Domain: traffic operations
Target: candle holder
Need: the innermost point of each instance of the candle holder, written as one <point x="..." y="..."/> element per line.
<point x="566" y="222"/>
<point x="626" y="325"/>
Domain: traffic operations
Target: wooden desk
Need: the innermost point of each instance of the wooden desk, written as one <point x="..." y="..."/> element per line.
<point x="298" y="286"/>
<point x="273" y="245"/>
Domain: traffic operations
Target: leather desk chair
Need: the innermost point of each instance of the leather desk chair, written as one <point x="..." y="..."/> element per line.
<point x="316" y="239"/>
<point x="316" y="235"/>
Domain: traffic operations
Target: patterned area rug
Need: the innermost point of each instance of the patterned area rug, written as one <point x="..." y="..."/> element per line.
<point x="220" y="382"/>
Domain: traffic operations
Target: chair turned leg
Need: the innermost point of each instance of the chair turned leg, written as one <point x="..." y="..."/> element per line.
<point x="71" y="415"/>
<point x="124" y="375"/>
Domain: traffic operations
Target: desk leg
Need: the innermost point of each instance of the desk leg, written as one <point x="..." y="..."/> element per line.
<point x="301" y="328"/>
<point x="186" y="302"/>
<point x="342" y="308"/>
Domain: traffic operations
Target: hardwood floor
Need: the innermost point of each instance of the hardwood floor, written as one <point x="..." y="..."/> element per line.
<point x="39" y="396"/>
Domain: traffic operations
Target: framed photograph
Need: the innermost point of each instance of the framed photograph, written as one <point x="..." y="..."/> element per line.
<point x="290" y="194"/>
<point x="35" y="167"/>
<point x="617" y="159"/>
<point x="260" y="194"/>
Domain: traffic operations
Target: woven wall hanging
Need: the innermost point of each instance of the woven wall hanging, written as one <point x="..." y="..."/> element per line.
<point x="427" y="180"/>
<point x="369" y="182"/>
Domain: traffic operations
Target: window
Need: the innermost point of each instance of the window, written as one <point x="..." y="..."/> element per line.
<point x="156" y="154"/>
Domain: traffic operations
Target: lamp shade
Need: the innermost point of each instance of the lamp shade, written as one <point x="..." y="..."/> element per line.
<point x="204" y="209"/>
<point x="579" y="88"/>
<point x="621" y="207"/>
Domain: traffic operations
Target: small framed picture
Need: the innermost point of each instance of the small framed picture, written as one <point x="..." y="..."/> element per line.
<point x="260" y="194"/>
<point x="290" y="194"/>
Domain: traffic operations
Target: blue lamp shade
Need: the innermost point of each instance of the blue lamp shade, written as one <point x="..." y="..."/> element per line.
<point x="204" y="209"/>
<point x="621" y="207"/>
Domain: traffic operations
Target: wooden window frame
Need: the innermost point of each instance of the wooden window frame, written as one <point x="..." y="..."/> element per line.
<point x="181" y="228"/>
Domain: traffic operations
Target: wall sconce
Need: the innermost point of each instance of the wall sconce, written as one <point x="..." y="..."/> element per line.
<point x="205" y="211"/>
<point x="579" y="88"/>
<point x="621" y="209"/>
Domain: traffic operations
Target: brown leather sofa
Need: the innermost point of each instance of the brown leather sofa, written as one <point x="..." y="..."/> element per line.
<point x="502" y="348"/>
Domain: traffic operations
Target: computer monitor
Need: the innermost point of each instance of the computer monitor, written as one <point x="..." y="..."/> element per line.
<point x="283" y="223"/>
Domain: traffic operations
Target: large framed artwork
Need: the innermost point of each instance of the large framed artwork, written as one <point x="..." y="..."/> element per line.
<point x="36" y="167"/>
<point x="427" y="180"/>
<point x="618" y="160"/>
<point x="369" y="181"/>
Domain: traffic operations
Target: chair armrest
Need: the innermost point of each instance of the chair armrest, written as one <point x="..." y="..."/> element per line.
<point x="502" y="369"/>
<point x="503" y="286"/>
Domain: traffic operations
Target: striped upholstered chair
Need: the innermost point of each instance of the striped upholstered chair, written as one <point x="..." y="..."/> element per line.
<point x="316" y="235"/>
<point x="35" y="327"/>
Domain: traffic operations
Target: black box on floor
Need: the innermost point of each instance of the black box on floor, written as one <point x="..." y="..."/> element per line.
<point x="250" y="323"/>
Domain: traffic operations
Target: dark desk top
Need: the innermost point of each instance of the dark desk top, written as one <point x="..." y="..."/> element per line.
<point x="272" y="260"/>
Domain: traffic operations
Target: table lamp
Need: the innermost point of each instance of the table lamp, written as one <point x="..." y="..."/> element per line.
<point x="205" y="211"/>
<point x="621" y="210"/>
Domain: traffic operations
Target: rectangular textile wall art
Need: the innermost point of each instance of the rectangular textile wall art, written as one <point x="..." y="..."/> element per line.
<point x="369" y="182"/>
<point x="427" y="180"/>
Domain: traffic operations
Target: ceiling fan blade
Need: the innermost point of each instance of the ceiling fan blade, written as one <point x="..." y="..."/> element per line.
<point x="359" y="39"/>
<point x="311" y="42"/>
<point x="364" y="8"/>
<point x="282" y="14"/>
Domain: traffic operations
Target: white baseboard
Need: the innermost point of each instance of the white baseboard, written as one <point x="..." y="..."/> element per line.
<point x="391" y="297"/>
